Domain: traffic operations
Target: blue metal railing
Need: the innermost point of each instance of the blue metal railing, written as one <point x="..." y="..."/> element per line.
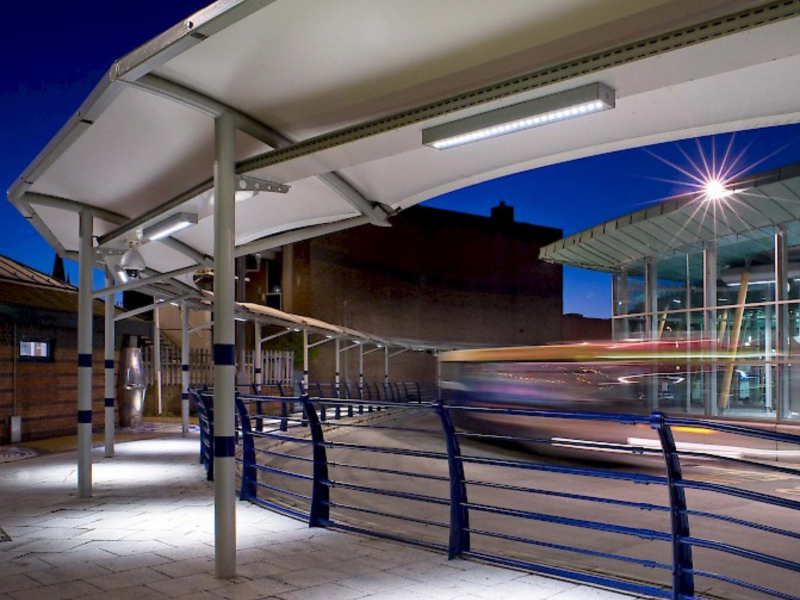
<point x="204" y="407"/>
<point x="403" y="474"/>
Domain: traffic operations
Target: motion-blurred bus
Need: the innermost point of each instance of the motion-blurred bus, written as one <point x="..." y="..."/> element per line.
<point x="687" y="378"/>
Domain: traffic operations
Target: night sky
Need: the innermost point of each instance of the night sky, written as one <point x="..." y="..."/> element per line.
<point x="55" y="52"/>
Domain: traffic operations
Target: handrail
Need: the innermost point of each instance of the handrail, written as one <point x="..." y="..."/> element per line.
<point x="386" y="434"/>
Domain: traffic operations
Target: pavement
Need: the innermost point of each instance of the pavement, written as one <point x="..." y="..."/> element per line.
<point x="147" y="533"/>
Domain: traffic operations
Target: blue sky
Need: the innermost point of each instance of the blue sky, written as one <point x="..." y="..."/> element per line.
<point x="55" y="53"/>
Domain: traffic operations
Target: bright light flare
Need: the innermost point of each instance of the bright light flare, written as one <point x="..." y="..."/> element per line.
<point x="715" y="190"/>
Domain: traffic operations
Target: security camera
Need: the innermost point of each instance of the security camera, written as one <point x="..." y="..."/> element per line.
<point x="132" y="263"/>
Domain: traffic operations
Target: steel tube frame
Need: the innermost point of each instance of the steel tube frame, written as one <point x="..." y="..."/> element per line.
<point x="184" y="369"/>
<point x="157" y="357"/>
<point x="109" y="369"/>
<point x="258" y="359"/>
<point x="224" y="349"/>
<point x="305" y="360"/>
<point x="710" y="322"/>
<point x="781" y="321"/>
<point x="337" y="376"/>
<point x="138" y="311"/>
<point x="85" y="333"/>
<point x="651" y="296"/>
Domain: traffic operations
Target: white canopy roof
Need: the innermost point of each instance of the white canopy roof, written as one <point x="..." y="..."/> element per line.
<point x="331" y="99"/>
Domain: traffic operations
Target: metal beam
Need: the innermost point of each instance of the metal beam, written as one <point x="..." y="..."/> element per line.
<point x="298" y="235"/>
<point x="138" y="311"/>
<point x="137" y="283"/>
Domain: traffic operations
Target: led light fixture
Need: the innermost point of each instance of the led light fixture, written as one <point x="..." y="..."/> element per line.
<point x="170" y="225"/>
<point x="577" y="102"/>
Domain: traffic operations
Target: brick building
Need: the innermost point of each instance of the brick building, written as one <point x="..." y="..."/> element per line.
<point x="435" y="275"/>
<point x="38" y="353"/>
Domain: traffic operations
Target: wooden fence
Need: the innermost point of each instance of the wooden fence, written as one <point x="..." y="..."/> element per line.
<point x="278" y="365"/>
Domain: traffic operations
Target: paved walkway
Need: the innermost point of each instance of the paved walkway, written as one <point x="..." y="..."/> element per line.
<point x="147" y="534"/>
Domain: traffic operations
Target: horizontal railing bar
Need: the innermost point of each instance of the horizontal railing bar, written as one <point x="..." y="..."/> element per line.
<point x="621" y="418"/>
<point x="278" y="508"/>
<point x="284" y="492"/>
<point x="743" y="523"/>
<point x="775" y="468"/>
<point x="618" y="584"/>
<point x="383" y="403"/>
<point x="724" y="427"/>
<point x="378" y="513"/>
<point x="276" y="471"/>
<point x="282" y="437"/>
<point x="255" y="398"/>
<point x="639" y="561"/>
<point x="353" y="487"/>
<point x="742" y="552"/>
<point x="388" y="536"/>
<point x="744" y="584"/>
<point x="738" y="493"/>
<point x="387" y="471"/>
<point x="341" y="425"/>
<point x="518" y="464"/>
<point x="611" y="501"/>
<point x="387" y="450"/>
<point x="645" y="534"/>
<point x="284" y="455"/>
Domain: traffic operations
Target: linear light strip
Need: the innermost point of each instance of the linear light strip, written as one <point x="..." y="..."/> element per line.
<point x="170" y="225"/>
<point x="569" y="104"/>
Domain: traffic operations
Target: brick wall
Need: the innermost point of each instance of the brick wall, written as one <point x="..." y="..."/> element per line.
<point x="434" y="275"/>
<point x="46" y="392"/>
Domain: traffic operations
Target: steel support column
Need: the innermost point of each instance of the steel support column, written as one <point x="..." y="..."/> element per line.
<point x="184" y="369"/>
<point x="85" y="332"/>
<point x="360" y="374"/>
<point x="305" y="361"/>
<point x="781" y="321"/>
<point x="109" y="368"/>
<point x="157" y="356"/>
<point x="625" y="330"/>
<point x="258" y="361"/>
<point x="224" y="349"/>
<point x="337" y="380"/>
<point x="651" y="296"/>
<point x="710" y="323"/>
<point x="386" y="367"/>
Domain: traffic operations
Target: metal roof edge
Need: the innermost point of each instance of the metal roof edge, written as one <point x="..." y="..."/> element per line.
<point x="661" y="208"/>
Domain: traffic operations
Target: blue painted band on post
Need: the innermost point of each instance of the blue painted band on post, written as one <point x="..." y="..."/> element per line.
<point x="224" y="446"/>
<point x="109" y="403"/>
<point x="184" y="367"/>
<point x="85" y="360"/>
<point x="225" y="354"/>
<point x="185" y="396"/>
<point x="85" y="416"/>
<point x="109" y="363"/>
<point x="258" y="370"/>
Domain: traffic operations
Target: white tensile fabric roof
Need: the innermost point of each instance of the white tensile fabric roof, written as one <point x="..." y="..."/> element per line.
<point x="331" y="98"/>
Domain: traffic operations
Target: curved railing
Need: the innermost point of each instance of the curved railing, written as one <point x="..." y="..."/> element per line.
<point x="667" y="518"/>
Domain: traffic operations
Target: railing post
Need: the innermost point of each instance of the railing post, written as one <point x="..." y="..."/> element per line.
<point x="319" y="515"/>
<point x="682" y="564"/>
<point x="459" y="513"/>
<point x="249" y="489"/>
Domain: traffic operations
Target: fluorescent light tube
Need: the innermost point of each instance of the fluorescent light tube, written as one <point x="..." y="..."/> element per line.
<point x="569" y="104"/>
<point x="170" y="225"/>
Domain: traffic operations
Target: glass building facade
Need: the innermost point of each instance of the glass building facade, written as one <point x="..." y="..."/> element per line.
<point x="722" y="273"/>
